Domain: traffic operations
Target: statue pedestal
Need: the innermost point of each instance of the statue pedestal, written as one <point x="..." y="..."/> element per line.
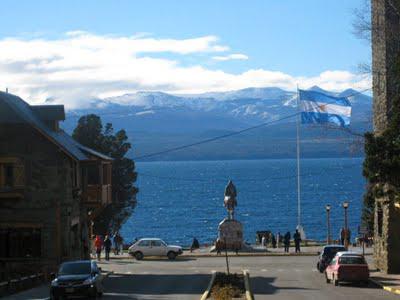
<point x="231" y="233"/>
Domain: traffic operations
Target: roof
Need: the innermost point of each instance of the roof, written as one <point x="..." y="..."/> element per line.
<point x="348" y="253"/>
<point x="334" y="246"/>
<point x="14" y="110"/>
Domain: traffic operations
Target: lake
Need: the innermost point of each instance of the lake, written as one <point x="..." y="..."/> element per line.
<point x="181" y="200"/>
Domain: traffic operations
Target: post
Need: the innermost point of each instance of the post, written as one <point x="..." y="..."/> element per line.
<point x="346" y="229"/>
<point x="298" y="159"/>
<point x="226" y="256"/>
<point x="328" y="224"/>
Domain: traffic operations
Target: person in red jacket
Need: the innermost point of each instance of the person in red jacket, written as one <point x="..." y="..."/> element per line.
<point x="98" y="244"/>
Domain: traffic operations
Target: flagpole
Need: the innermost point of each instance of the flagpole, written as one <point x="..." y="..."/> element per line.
<point x="298" y="160"/>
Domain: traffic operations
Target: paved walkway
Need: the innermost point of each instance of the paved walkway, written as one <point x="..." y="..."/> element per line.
<point x="389" y="282"/>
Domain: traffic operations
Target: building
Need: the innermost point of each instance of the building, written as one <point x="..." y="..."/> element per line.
<point x="50" y="189"/>
<point x="385" y="61"/>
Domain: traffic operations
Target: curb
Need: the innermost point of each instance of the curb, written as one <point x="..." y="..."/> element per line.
<point x="249" y="293"/>
<point x="210" y="284"/>
<point x="385" y="287"/>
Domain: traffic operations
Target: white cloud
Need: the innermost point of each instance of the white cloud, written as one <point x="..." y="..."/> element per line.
<point x="238" y="56"/>
<point x="82" y="66"/>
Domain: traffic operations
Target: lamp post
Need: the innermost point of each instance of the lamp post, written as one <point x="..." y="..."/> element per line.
<point x="328" y="224"/>
<point x="346" y="229"/>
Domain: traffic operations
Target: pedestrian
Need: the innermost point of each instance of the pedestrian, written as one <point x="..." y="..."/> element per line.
<point x="107" y="246"/>
<point x="263" y="241"/>
<point x="98" y="244"/>
<point x="273" y="241"/>
<point x="297" y="240"/>
<point x="116" y="245"/>
<point x="218" y="246"/>
<point x="278" y="239"/>
<point x="195" y="245"/>
<point x="286" y="241"/>
<point x="342" y="236"/>
<point x="348" y="236"/>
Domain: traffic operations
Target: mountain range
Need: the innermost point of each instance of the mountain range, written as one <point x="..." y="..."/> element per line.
<point x="156" y="121"/>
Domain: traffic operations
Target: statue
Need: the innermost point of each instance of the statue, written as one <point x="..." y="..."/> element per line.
<point x="230" y="199"/>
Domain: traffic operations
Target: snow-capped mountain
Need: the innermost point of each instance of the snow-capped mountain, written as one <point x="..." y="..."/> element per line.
<point x="166" y="117"/>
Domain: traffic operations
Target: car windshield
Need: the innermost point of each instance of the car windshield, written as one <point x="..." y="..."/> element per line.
<point x="351" y="260"/>
<point x="331" y="251"/>
<point x="75" y="268"/>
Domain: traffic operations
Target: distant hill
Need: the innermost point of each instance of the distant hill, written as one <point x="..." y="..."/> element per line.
<point x="157" y="121"/>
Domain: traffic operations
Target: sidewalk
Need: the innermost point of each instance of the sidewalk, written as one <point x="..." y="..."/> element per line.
<point x="38" y="293"/>
<point x="257" y="251"/>
<point x="390" y="283"/>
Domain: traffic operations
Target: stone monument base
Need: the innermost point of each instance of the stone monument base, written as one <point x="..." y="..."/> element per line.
<point x="230" y="235"/>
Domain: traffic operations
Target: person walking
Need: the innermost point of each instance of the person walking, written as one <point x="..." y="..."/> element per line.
<point x="286" y="241"/>
<point x="195" y="245"/>
<point x="107" y="247"/>
<point x="98" y="244"/>
<point x="273" y="241"/>
<point x="342" y="235"/>
<point x="278" y="239"/>
<point x="297" y="240"/>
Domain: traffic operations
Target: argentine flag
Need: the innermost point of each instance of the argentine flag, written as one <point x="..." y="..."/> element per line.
<point x="320" y="108"/>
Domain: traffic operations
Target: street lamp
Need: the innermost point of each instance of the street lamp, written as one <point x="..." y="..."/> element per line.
<point x="346" y="229"/>
<point x="328" y="224"/>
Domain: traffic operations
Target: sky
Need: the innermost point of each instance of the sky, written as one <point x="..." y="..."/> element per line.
<point x="74" y="51"/>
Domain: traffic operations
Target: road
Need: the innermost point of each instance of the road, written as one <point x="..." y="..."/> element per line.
<point x="278" y="277"/>
<point x="272" y="277"/>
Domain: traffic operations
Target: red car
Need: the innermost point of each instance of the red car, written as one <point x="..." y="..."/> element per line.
<point x="347" y="267"/>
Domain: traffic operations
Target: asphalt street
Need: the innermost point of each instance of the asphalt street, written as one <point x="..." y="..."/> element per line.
<point x="278" y="277"/>
<point x="271" y="277"/>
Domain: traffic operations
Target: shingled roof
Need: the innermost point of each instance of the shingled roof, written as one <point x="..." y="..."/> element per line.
<point x="14" y="110"/>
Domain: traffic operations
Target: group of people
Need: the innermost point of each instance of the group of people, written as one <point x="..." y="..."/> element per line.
<point x="278" y="239"/>
<point x="99" y="244"/>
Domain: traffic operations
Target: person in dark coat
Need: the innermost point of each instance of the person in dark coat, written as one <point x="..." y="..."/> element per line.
<point x="273" y="241"/>
<point x="195" y="245"/>
<point x="297" y="240"/>
<point x="107" y="247"/>
<point x="286" y="241"/>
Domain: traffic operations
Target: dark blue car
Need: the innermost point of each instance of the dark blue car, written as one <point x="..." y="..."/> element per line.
<point x="77" y="278"/>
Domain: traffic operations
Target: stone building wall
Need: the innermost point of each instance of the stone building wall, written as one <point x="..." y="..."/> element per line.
<point x="385" y="58"/>
<point x="47" y="198"/>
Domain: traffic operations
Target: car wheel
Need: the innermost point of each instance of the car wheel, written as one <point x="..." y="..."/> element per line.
<point x="93" y="294"/>
<point x="171" y="255"/>
<point x="138" y="255"/>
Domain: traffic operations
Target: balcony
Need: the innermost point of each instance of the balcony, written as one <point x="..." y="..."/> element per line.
<point x="96" y="195"/>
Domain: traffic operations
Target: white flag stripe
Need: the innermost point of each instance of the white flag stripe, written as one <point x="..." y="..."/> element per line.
<point x="327" y="108"/>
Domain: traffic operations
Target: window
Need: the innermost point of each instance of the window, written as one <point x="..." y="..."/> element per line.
<point x="144" y="244"/>
<point x="93" y="176"/>
<point x="20" y="242"/>
<point x="156" y="244"/>
<point x="352" y="260"/>
<point x="380" y="219"/>
<point x="12" y="173"/>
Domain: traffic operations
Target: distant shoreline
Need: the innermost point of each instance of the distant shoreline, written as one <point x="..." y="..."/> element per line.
<point x="248" y="159"/>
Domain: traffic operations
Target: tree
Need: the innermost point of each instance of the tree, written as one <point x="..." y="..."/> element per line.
<point x="89" y="132"/>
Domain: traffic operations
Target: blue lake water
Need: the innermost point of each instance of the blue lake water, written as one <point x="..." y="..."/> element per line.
<point x="181" y="200"/>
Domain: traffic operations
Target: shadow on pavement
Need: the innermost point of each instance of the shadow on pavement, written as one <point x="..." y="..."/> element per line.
<point x="156" y="284"/>
<point x="264" y="286"/>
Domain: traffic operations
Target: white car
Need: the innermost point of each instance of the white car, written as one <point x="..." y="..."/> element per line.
<point x="153" y="247"/>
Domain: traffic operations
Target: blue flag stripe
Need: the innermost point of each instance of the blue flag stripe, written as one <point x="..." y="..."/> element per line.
<point x="316" y="117"/>
<point x="320" y="97"/>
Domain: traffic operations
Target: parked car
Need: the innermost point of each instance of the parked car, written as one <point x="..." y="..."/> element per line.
<point x="80" y="278"/>
<point x="327" y="254"/>
<point x="347" y="267"/>
<point x="153" y="247"/>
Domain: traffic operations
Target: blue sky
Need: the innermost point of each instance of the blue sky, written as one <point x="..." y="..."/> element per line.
<point x="299" y="39"/>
